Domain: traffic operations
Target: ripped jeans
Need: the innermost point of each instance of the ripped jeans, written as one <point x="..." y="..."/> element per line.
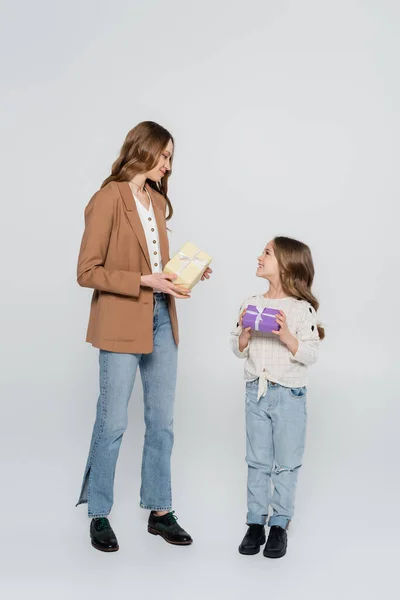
<point x="275" y="439"/>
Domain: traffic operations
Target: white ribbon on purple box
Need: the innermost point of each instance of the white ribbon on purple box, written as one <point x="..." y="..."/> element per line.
<point x="259" y="316"/>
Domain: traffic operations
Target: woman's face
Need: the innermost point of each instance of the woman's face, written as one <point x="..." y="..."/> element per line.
<point x="268" y="267"/>
<point x="163" y="165"/>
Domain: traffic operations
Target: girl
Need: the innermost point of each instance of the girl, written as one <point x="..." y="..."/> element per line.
<point x="134" y="324"/>
<point x="276" y="375"/>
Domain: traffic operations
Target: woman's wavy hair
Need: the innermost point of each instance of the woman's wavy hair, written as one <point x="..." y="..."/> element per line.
<point x="297" y="271"/>
<point x="140" y="153"/>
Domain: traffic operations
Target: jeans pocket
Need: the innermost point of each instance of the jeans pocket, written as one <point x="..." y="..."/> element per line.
<point x="299" y="392"/>
<point x="251" y="391"/>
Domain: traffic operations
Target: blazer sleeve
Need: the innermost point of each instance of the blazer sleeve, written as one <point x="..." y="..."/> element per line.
<point x="99" y="216"/>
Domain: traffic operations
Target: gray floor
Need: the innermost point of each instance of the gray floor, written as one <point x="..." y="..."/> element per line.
<point x="337" y="547"/>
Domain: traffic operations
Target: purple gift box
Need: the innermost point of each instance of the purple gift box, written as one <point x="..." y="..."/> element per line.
<point x="261" y="319"/>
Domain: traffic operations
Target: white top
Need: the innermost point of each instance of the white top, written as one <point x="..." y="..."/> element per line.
<point x="149" y="224"/>
<point x="267" y="358"/>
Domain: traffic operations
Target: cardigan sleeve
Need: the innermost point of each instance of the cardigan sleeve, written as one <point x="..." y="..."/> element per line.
<point x="308" y="338"/>
<point x="235" y="334"/>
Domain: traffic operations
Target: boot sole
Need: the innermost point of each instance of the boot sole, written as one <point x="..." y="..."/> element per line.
<point x="274" y="554"/>
<point x="156" y="532"/>
<point x="251" y="552"/>
<point x="105" y="549"/>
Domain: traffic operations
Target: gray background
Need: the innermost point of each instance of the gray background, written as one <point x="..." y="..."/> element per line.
<point x="286" y="121"/>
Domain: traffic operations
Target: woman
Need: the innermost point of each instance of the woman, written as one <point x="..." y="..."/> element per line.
<point x="134" y="324"/>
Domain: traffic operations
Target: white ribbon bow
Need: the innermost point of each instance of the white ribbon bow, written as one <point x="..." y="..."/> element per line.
<point x="186" y="260"/>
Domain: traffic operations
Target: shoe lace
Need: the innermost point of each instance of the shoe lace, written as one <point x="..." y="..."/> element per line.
<point x="102" y="524"/>
<point x="171" y="518"/>
<point x="276" y="533"/>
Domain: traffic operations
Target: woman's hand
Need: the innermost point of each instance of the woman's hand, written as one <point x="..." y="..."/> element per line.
<point x="207" y="274"/>
<point x="163" y="283"/>
<point x="245" y="336"/>
<point x="284" y="334"/>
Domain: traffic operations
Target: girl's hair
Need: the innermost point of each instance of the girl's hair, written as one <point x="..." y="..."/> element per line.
<point x="297" y="271"/>
<point x="140" y="153"/>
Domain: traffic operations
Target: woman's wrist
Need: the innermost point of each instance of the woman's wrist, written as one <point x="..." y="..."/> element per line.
<point x="145" y="281"/>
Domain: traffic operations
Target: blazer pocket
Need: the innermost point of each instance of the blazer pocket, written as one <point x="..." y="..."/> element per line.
<point x="117" y="317"/>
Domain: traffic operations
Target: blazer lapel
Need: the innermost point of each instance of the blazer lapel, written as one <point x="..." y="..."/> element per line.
<point x="133" y="216"/>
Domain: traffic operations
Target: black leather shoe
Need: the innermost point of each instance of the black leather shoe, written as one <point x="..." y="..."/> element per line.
<point x="277" y="543"/>
<point x="167" y="526"/>
<point x="102" y="536"/>
<point x="253" y="539"/>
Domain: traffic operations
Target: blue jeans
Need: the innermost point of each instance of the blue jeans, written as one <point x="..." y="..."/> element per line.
<point x="275" y="433"/>
<point x="117" y="377"/>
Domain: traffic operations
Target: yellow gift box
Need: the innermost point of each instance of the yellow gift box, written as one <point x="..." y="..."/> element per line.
<point x="189" y="264"/>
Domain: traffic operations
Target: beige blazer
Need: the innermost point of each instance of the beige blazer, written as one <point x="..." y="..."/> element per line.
<point x="112" y="258"/>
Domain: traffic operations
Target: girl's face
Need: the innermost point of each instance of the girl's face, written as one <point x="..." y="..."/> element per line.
<point x="163" y="165"/>
<point x="268" y="267"/>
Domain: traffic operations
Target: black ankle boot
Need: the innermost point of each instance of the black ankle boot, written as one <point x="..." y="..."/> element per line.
<point x="102" y="536"/>
<point x="277" y="543"/>
<point x="253" y="539"/>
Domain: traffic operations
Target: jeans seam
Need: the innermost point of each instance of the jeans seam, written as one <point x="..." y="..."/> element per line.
<point x="146" y="507"/>
<point x="146" y="388"/>
<point x="103" y="416"/>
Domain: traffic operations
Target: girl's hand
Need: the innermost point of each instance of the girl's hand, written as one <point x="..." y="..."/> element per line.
<point x="207" y="274"/>
<point x="163" y="282"/>
<point x="284" y="334"/>
<point x="245" y="335"/>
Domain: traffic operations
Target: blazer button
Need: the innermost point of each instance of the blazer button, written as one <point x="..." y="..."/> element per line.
<point x="154" y="242"/>
<point x="156" y="264"/>
<point x="150" y="219"/>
